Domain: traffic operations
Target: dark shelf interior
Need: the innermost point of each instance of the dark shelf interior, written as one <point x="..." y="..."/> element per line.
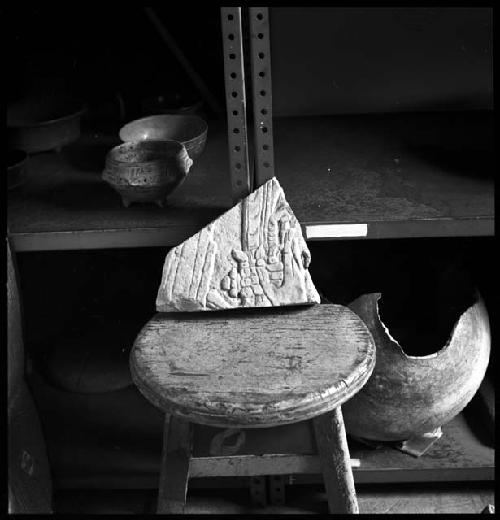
<point x="403" y="175"/>
<point x="406" y="175"/>
<point x="113" y="438"/>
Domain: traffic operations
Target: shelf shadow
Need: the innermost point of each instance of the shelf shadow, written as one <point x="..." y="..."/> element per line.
<point x="90" y="158"/>
<point x="477" y="163"/>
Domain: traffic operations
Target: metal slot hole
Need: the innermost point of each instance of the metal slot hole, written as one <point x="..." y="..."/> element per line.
<point x="260" y="16"/>
<point x="261" y="55"/>
<point x="234" y="94"/>
<point x="230" y="36"/>
<point x="262" y="92"/>
<point x="233" y="75"/>
<point x="232" y="56"/>
<point x="263" y="111"/>
<point x="260" y="36"/>
<point x="236" y="130"/>
<point x="261" y="74"/>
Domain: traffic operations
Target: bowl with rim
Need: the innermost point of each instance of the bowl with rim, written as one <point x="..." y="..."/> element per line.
<point x="188" y="129"/>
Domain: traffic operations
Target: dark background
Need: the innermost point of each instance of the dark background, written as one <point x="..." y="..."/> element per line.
<point x="360" y="60"/>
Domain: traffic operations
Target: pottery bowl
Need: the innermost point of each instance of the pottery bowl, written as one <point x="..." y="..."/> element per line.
<point x="146" y="171"/>
<point x="37" y="127"/>
<point x="409" y="395"/>
<point x="190" y="130"/>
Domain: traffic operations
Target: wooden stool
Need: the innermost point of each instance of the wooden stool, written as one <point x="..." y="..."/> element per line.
<point x="253" y="368"/>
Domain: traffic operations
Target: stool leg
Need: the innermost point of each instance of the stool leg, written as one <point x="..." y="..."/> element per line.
<point x="335" y="460"/>
<point x="174" y="471"/>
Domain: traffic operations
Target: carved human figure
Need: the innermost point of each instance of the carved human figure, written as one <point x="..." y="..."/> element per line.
<point x="259" y="276"/>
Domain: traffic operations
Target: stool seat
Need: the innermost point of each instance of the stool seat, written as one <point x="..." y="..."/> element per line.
<point x="252" y="368"/>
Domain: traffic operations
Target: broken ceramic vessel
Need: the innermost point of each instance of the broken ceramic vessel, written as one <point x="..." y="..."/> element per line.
<point x="410" y="396"/>
<point x="254" y="255"/>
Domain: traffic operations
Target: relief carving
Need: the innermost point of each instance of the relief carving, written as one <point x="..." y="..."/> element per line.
<point x="252" y="256"/>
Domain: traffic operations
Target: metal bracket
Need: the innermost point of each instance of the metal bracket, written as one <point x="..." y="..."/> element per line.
<point x="276" y="487"/>
<point x="234" y="78"/>
<point x="261" y="94"/>
<point x="258" y="492"/>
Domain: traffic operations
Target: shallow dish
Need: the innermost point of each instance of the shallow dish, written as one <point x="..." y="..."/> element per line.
<point x="190" y="130"/>
<point x="146" y="171"/>
<point x="38" y="127"/>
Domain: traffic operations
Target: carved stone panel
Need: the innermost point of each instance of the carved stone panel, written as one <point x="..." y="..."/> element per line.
<point x="253" y="255"/>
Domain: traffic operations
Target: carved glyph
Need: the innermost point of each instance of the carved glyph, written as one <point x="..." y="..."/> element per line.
<point x="254" y="255"/>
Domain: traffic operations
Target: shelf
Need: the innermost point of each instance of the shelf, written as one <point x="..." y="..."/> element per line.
<point x="388" y="176"/>
<point x="64" y="203"/>
<point x="375" y="176"/>
<point x="114" y="440"/>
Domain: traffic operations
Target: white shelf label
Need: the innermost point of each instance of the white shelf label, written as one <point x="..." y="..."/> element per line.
<point x="336" y="230"/>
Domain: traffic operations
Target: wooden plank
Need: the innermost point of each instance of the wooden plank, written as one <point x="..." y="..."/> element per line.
<point x="252" y="368"/>
<point x="174" y="474"/>
<point x="334" y="455"/>
<point x="101" y="239"/>
<point x="173" y="235"/>
<point x="251" y="465"/>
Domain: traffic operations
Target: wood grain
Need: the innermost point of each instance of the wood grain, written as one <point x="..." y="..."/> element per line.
<point x="251" y="465"/>
<point x="334" y="454"/>
<point x="252" y="368"/>
<point x="174" y="472"/>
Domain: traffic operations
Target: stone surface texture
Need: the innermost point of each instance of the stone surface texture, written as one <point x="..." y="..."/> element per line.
<point x="254" y="255"/>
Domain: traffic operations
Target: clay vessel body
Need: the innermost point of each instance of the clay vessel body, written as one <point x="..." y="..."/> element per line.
<point x="146" y="171"/>
<point x="408" y="396"/>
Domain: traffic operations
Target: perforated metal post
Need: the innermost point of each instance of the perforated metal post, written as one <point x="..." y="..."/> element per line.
<point x="234" y="77"/>
<point x="261" y="94"/>
<point x="258" y="493"/>
<point x="276" y="484"/>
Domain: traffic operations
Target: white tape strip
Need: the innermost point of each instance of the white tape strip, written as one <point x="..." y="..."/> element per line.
<point x="336" y="230"/>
